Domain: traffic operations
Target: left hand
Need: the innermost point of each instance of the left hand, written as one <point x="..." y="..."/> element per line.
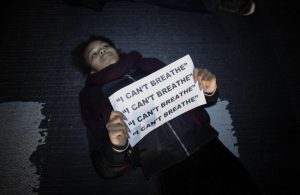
<point x="117" y="129"/>
<point x="206" y="79"/>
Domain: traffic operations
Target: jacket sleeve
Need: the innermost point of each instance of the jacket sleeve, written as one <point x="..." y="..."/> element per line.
<point x="107" y="162"/>
<point x="211" y="99"/>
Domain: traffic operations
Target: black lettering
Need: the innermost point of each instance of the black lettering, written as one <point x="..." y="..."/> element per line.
<point x="135" y="133"/>
<point x="179" y="106"/>
<point x="136" y="91"/>
<point x="147" y="114"/>
<point x="159" y="93"/>
<point x="153" y="83"/>
<point x="142" y="102"/>
<point x="152" y="123"/>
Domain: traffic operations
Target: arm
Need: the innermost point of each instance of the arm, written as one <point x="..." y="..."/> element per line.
<point x="108" y="163"/>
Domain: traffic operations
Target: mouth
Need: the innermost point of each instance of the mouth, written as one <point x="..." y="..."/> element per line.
<point x="105" y="56"/>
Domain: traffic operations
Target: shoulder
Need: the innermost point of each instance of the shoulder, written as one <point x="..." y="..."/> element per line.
<point x="152" y="61"/>
<point x="83" y="94"/>
<point x="150" y="64"/>
<point x="89" y="93"/>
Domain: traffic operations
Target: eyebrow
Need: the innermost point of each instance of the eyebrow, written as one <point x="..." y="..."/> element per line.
<point x="102" y="43"/>
<point x="88" y="53"/>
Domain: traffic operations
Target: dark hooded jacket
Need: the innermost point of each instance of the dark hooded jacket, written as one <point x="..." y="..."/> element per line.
<point x="170" y="143"/>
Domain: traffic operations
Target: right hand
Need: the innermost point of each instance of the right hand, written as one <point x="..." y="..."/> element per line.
<point x="117" y="129"/>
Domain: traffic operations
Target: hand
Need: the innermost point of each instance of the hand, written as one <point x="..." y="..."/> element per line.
<point x="117" y="129"/>
<point x="206" y="80"/>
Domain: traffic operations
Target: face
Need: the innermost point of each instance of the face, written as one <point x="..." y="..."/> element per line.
<point x="99" y="55"/>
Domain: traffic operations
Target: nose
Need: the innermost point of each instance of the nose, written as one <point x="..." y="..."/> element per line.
<point x="102" y="52"/>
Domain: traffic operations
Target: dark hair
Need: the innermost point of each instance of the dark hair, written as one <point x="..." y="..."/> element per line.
<point x="78" y="59"/>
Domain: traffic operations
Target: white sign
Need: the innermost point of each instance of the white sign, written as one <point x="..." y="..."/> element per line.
<point x="157" y="98"/>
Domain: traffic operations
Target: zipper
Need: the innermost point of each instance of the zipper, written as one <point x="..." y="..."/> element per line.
<point x="182" y="145"/>
<point x="169" y="124"/>
<point x="129" y="77"/>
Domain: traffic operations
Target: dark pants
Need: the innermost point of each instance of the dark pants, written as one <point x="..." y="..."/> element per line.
<point x="211" y="170"/>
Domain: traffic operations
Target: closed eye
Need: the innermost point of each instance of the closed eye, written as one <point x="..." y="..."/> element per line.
<point x="93" y="54"/>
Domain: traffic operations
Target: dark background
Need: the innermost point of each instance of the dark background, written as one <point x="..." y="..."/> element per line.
<point x="255" y="59"/>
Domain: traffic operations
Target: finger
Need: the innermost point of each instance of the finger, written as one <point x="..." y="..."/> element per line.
<point x="126" y="133"/>
<point x="201" y="73"/>
<point x="202" y="84"/>
<point x="208" y="76"/>
<point x="211" y="77"/>
<point x="116" y="117"/>
<point x="198" y="73"/>
<point x="114" y="122"/>
<point x="205" y="76"/>
<point x="117" y="135"/>
<point x="205" y="84"/>
<point x="115" y="114"/>
<point x="195" y="74"/>
<point x="114" y="134"/>
<point x="116" y="127"/>
<point x="121" y="136"/>
<point x="211" y="86"/>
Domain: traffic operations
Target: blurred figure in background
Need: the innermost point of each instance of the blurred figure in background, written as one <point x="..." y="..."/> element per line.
<point x="241" y="7"/>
